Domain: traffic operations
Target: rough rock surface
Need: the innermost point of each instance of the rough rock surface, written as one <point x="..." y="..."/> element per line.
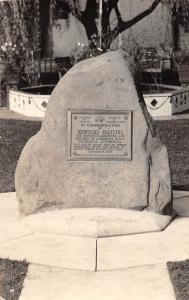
<point x="45" y="177"/>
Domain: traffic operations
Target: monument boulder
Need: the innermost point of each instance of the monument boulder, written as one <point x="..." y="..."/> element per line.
<point x="96" y="147"/>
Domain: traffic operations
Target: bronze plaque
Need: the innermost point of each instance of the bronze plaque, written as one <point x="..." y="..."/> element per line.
<point x="99" y="135"/>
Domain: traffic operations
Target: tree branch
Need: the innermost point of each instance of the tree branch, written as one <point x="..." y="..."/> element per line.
<point x="118" y="14"/>
<point x="127" y="24"/>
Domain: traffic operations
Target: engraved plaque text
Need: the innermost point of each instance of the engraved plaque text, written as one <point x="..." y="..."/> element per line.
<point x="99" y="135"/>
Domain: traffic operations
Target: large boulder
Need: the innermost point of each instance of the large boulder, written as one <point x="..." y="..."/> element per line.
<point x="48" y="175"/>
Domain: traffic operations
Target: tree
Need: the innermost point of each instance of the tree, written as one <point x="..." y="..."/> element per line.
<point x="88" y="16"/>
<point x="20" y="37"/>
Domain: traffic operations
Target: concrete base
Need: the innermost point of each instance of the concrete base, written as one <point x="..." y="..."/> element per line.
<point x="92" y="239"/>
<point x="129" y="266"/>
<point x="96" y="222"/>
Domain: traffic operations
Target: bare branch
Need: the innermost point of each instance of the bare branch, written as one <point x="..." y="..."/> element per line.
<point x="127" y="24"/>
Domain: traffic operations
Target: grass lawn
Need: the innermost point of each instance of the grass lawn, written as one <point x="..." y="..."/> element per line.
<point x="179" y="274"/>
<point x="175" y="135"/>
<point x="13" y="136"/>
<point x="12" y="274"/>
<point x="14" y="133"/>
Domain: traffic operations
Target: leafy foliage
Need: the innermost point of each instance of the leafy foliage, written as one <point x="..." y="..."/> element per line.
<point x="20" y="37"/>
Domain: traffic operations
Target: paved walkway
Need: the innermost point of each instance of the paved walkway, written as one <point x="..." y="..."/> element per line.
<point x="142" y="283"/>
<point x="63" y="267"/>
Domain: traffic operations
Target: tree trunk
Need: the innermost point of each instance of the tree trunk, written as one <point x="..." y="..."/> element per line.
<point x="88" y="20"/>
<point x="46" y="30"/>
<point x="124" y="25"/>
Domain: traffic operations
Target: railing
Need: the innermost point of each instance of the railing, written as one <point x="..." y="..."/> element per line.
<point x="53" y="65"/>
<point x="52" y="69"/>
<point x="48" y="65"/>
<point x="183" y="71"/>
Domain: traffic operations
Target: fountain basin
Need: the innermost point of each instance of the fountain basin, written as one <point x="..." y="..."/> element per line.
<point x="165" y="100"/>
<point x="32" y="101"/>
<point x="161" y="100"/>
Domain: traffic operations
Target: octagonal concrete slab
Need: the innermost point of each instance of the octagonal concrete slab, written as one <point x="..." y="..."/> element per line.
<point x="96" y="222"/>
